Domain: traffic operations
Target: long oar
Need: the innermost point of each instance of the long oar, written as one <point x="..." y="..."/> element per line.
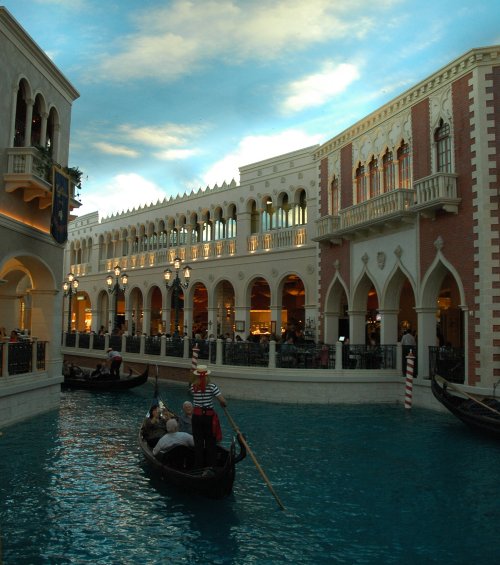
<point x="471" y="397"/>
<point x="254" y="459"/>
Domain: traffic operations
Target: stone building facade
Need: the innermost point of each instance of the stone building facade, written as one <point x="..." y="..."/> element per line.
<point x="35" y="105"/>
<point x="389" y="227"/>
<point x="408" y="225"/>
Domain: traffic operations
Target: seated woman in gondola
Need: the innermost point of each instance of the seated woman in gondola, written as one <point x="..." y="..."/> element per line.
<point x="154" y="426"/>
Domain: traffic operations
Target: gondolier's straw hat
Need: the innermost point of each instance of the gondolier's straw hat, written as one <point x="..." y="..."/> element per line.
<point x="202" y="369"/>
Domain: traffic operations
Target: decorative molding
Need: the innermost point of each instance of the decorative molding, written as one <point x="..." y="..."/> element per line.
<point x="381" y="260"/>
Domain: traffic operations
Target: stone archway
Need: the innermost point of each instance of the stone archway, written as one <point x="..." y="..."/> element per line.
<point x="29" y="297"/>
<point x="336" y="318"/>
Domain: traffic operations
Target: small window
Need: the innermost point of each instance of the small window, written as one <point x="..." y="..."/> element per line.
<point x="374" y="178"/>
<point x="360" y="184"/>
<point x="404" y="165"/>
<point x="443" y="147"/>
<point x="334" y="197"/>
<point x="388" y="166"/>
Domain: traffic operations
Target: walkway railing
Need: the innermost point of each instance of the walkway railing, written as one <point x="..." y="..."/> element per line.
<point x="447" y="362"/>
<point x="308" y="355"/>
<point x="21" y="357"/>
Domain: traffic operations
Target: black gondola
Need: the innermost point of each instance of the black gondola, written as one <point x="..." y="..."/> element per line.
<point x="177" y="465"/>
<point x="482" y="413"/>
<point x="177" y="468"/>
<point x="82" y="380"/>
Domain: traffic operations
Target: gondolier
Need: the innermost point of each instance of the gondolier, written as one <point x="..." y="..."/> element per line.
<point x="206" y="427"/>
<point x="115" y="361"/>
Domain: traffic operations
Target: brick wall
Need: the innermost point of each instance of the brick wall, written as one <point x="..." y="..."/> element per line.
<point x="421" y="157"/>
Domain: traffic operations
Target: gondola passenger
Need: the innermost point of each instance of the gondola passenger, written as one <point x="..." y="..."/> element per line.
<point x="173" y="438"/>
<point x="186" y="418"/>
<point x="206" y="427"/>
<point x="154" y="426"/>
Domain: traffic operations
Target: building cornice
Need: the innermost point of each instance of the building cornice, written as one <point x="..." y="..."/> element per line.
<point x="33" y="52"/>
<point x="451" y="72"/>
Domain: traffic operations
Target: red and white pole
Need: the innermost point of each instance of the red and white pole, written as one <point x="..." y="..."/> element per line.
<point x="194" y="358"/>
<point x="410" y="360"/>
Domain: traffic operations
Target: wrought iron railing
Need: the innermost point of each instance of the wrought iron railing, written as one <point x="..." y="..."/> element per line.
<point x="447" y="362"/>
<point x="20" y="357"/>
<point x="369" y="357"/>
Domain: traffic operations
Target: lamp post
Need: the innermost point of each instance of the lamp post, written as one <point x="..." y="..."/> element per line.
<point x="114" y="287"/>
<point x="176" y="285"/>
<point x="70" y="286"/>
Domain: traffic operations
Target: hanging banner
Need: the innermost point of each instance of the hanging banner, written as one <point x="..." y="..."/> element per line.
<point x="60" y="206"/>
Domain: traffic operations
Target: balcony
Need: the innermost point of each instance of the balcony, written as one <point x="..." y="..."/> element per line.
<point x="437" y="192"/>
<point x="27" y="171"/>
<point x="372" y="216"/>
<point x="277" y="239"/>
<point x="391" y="209"/>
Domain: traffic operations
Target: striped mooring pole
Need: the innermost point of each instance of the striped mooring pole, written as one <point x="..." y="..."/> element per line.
<point x="194" y="358"/>
<point x="410" y="359"/>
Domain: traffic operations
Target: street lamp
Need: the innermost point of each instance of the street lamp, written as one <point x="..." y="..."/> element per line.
<point x="115" y="288"/>
<point x="176" y="284"/>
<point x="70" y="286"/>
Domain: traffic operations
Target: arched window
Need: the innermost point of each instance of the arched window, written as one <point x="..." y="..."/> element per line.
<point x="183" y="236"/>
<point x="388" y="165"/>
<point x="218" y="230"/>
<point x="282" y="218"/>
<point x="265" y="221"/>
<point x="231" y="223"/>
<point x="254" y="222"/>
<point x="404" y="165"/>
<point x="301" y="210"/>
<point x="374" y="178"/>
<point x="196" y="234"/>
<point x="206" y="231"/>
<point x="443" y="147"/>
<point x="360" y="184"/>
<point x="36" y="123"/>
<point x="334" y="197"/>
<point x="173" y="237"/>
<point x="20" y="132"/>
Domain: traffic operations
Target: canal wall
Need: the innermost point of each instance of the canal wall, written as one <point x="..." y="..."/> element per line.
<point x="291" y="386"/>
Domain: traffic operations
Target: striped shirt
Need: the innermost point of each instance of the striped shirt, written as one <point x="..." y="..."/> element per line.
<point x="204" y="399"/>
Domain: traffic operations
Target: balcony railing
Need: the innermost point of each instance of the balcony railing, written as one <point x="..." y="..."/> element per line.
<point x="436" y="192"/>
<point x="25" y="356"/>
<point x="432" y="193"/>
<point x="277" y="239"/>
<point x="27" y="171"/>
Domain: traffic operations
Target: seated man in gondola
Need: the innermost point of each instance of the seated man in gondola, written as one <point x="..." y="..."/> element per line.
<point x="172" y="438"/>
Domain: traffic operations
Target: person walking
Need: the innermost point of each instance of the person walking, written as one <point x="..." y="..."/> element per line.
<point x="205" y="422"/>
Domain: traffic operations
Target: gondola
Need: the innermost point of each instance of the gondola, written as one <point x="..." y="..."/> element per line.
<point x="82" y="380"/>
<point x="481" y="413"/>
<point x="177" y="466"/>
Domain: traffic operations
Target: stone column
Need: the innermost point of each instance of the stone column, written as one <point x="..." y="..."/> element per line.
<point x="357" y="327"/>
<point x="388" y="327"/>
<point x="426" y="319"/>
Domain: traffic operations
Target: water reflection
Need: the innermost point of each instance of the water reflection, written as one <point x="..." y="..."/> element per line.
<point x="359" y="483"/>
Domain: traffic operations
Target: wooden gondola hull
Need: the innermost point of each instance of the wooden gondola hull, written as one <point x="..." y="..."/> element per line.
<point x="105" y="385"/>
<point x="472" y="413"/>
<point x="217" y="485"/>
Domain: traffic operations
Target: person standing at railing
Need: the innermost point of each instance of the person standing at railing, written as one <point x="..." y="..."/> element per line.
<point x="14" y="336"/>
